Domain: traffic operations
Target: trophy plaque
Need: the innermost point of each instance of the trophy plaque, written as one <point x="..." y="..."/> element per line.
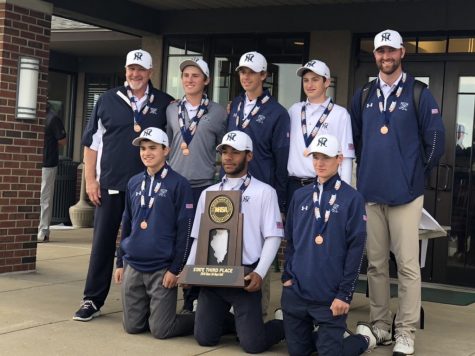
<point x="219" y="250"/>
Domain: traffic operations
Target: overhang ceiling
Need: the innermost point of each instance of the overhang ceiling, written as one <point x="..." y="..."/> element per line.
<point x="166" y="5"/>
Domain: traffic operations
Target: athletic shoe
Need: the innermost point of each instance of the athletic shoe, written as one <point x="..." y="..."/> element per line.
<point x="404" y="345"/>
<point x="366" y="330"/>
<point x="42" y="238"/>
<point x="383" y="337"/>
<point x="278" y="314"/>
<point x="87" y="311"/>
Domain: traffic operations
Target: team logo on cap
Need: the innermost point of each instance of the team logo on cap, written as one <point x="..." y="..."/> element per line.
<point x="196" y="59"/>
<point x="231" y="137"/>
<point x="322" y="141"/>
<point x="138" y="56"/>
<point x="311" y="64"/>
<point x="385" y="36"/>
<point x="147" y="132"/>
<point x="249" y="57"/>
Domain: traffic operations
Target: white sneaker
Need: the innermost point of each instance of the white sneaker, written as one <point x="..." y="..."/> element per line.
<point x="367" y="331"/>
<point x="404" y="345"/>
<point x="195" y="305"/>
<point x="383" y="337"/>
<point x="278" y="314"/>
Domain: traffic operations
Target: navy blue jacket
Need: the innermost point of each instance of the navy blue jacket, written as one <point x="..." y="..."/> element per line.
<point x="321" y="273"/>
<point x="391" y="168"/>
<point x="270" y="134"/>
<point x="120" y="160"/>
<point x="166" y="242"/>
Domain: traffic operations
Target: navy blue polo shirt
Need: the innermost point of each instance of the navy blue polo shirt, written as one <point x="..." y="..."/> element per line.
<point x="113" y="120"/>
<point x="321" y="273"/>
<point x="165" y="243"/>
<point x="270" y="134"/>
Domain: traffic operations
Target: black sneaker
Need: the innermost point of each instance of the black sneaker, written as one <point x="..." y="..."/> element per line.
<point x="87" y="311"/>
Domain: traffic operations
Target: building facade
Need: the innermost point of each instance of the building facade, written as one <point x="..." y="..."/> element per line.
<point x="84" y="62"/>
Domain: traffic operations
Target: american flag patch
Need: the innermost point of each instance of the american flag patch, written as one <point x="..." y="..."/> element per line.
<point x="435" y="111"/>
<point x="188" y="206"/>
<point x="351" y="147"/>
<point x="365" y="218"/>
<point x="279" y="225"/>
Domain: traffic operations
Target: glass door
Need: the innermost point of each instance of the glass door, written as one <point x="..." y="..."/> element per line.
<point x="455" y="256"/>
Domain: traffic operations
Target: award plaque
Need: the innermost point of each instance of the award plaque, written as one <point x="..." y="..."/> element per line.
<point x="219" y="250"/>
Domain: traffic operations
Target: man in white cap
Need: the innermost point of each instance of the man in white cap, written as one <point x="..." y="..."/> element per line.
<point x="316" y="116"/>
<point x="155" y="240"/>
<point x="257" y="113"/>
<point x="263" y="231"/>
<point x="195" y="125"/>
<point x="398" y="139"/>
<point x="325" y="233"/>
<point x="119" y="116"/>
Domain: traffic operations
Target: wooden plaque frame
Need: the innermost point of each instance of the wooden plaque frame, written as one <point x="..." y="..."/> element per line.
<point x="231" y="272"/>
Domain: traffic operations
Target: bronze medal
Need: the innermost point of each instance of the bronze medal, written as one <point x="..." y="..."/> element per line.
<point x="186" y="152"/>
<point x="183" y="145"/>
<point x="137" y="128"/>
<point x="319" y="239"/>
<point x="143" y="225"/>
<point x="384" y="130"/>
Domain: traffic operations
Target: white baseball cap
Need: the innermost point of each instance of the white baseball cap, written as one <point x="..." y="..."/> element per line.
<point x="253" y="60"/>
<point x="388" y="38"/>
<point x="140" y="57"/>
<point x="326" y="144"/>
<point x="152" y="134"/>
<point x="316" y="66"/>
<point x="236" y="139"/>
<point x="196" y="62"/>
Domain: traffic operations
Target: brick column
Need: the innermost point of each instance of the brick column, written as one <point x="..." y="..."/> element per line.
<point x="24" y="31"/>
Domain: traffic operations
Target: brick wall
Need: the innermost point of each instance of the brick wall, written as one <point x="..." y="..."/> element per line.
<point x="23" y="32"/>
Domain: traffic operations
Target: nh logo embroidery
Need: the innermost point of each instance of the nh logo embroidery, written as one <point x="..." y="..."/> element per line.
<point x="385" y="36"/>
<point x="304" y="207"/>
<point x="153" y="111"/>
<point x="249" y="57"/>
<point x="231" y="137"/>
<point x="311" y="64"/>
<point x="147" y="132"/>
<point x="138" y="56"/>
<point x="163" y="193"/>
<point x="246" y="198"/>
<point x="260" y="119"/>
<point x="322" y="141"/>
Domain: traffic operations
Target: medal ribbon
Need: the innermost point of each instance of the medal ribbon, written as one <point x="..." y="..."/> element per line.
<point x="146" y="207"/>
<point x="386" y="112"/>
<point x="188" y="133"/>
<point x="138" y="115"/>
<point x="243" y="186"/>
<point x="303" y="117"/>
<point x="321" y="225"/>
<point x="260" y="101"/>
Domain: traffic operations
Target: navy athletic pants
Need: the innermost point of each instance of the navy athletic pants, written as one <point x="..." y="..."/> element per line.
<point x="107" y="220"/>
<point x="300" y="316"/>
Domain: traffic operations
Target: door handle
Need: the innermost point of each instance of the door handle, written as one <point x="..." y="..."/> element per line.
<point x="443" y="184"/>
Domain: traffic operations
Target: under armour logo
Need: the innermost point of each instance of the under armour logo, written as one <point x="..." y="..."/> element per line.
<point x="138" y="56"/>
<point x="370" y="105"/>
<point x="304" y="207"/>
<point x="322" y="141"/>
<point x="249" y="57"/>
<point x="385" y="36"/>
<point x="311" y="64"/>
<point x="231" y="137"/>
<point x="147" y="132"/>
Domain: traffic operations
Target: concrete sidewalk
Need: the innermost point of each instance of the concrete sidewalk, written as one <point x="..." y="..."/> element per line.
<point x="36" y="314"/>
